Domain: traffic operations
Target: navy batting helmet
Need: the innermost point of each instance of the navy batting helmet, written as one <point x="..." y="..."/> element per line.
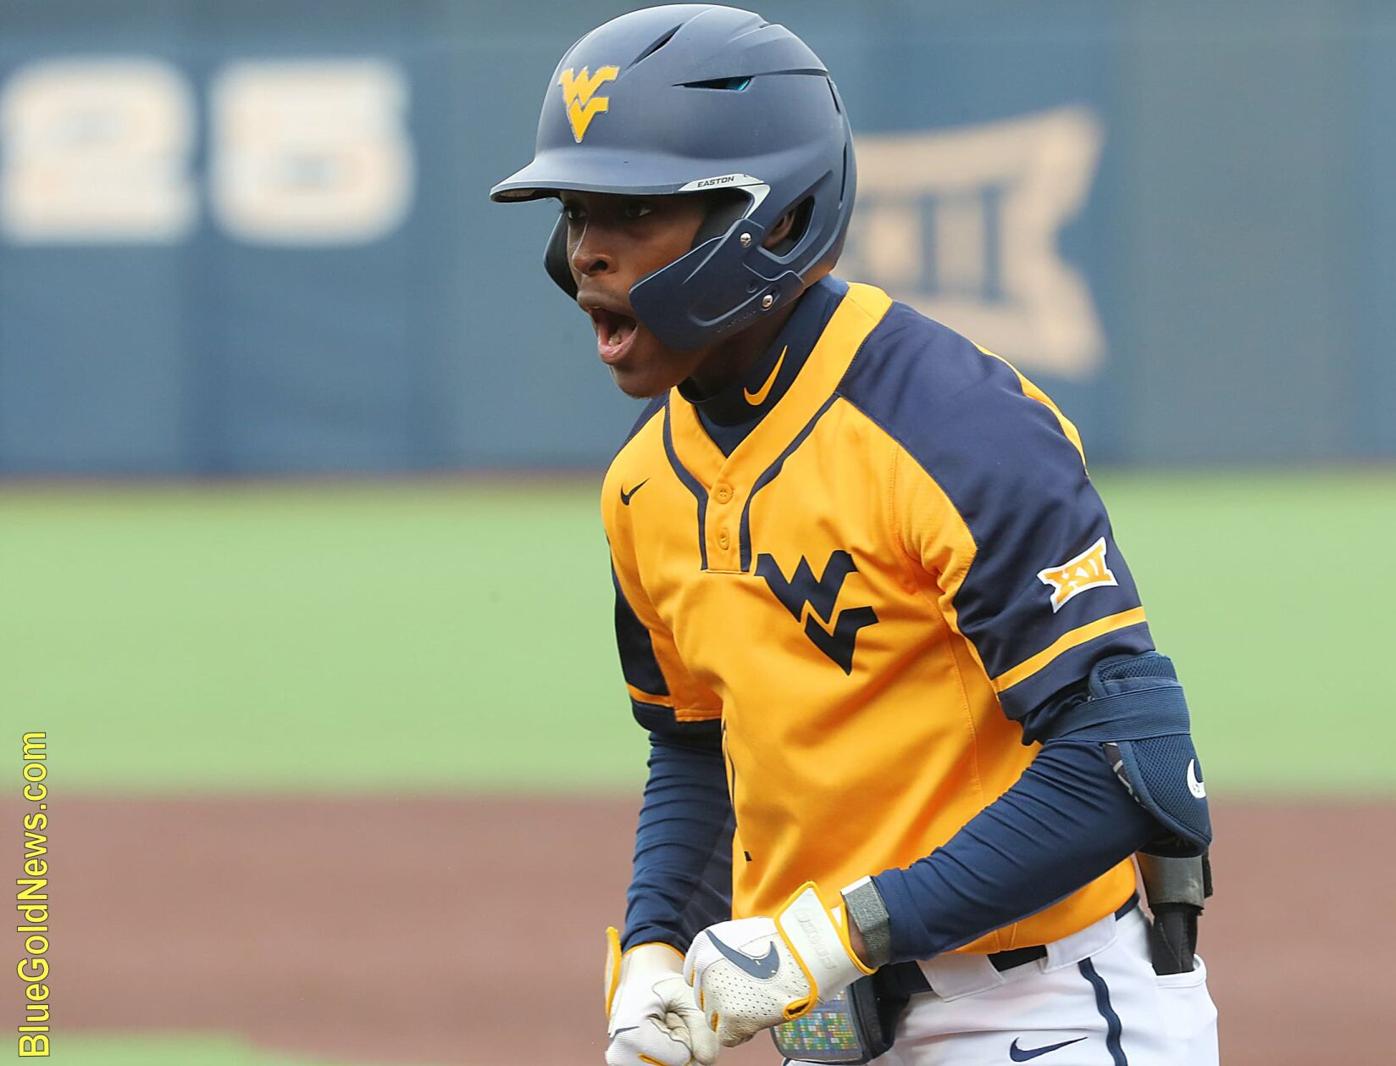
<point x="697" y="98"/>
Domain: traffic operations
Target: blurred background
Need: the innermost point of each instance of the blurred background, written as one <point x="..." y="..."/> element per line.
<point x="301" y="570"/>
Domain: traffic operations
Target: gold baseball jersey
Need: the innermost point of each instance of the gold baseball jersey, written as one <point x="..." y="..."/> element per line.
<point x="900" y="558"/>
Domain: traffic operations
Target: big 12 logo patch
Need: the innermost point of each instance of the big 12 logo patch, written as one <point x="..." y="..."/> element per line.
<point x="812" y="600"/>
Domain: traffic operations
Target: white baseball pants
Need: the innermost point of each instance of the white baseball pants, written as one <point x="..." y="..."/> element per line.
<point x="1093" y="1001"/>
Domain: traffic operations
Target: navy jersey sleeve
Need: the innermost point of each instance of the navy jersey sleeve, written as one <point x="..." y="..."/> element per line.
<point x="663" y="696"/>
<point x="682" y="876"/>
<point x="998" y="505"/>
<point x="1067" y="819"/>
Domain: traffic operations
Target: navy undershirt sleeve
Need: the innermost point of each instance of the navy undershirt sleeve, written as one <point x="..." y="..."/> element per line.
<point x="682" y="874"/>
<point x="1065" y="822"/>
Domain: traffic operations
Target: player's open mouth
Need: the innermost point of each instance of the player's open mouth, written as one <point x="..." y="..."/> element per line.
<point x="614" y="334"/>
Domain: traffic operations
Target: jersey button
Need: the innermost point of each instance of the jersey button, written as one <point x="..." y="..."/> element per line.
<point x="723" y="494"/>
<point x="723" y="540"/>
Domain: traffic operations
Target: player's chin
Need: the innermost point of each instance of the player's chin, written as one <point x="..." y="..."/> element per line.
<point x="636" y="385"/>
<point x="645" y="372"/>
<point x="639" y="384"/>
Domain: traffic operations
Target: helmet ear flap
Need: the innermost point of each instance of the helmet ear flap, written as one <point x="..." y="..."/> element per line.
<point x="555" y="258"/>
<point x="723" y="212"/>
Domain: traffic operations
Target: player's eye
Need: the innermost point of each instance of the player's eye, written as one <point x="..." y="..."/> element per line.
<point x="573" y="212"/>
<point x="637" y="209"/>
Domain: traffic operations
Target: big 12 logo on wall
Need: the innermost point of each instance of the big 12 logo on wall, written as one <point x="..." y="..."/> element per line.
<point x="963" y="225"/>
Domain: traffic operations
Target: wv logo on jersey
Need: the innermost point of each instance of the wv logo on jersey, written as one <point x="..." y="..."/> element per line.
<point x="580" y="99"/>
<point x="812" y="600"/>
<point x="1088" y="570"/>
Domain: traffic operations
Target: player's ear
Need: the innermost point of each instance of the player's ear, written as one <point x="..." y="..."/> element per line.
<point x="785" y="235"/>
<point x="781" y="230"/>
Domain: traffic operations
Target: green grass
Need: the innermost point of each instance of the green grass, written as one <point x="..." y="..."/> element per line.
<point x="1273" y="595"/>
<point x="369" y="638"/>
<point x="413" y="637"/>
<point x="168" y="1049"/>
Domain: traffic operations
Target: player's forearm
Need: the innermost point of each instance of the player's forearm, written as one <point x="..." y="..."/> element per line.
<point x="1066" y="821"/>
<point x="682" y="868"/>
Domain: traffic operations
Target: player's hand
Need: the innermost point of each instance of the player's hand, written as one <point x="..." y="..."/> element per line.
<point x="650" y="1013"/>
<point x="753" y="973"/>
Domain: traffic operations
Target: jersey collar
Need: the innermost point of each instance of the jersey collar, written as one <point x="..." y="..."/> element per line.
<point x="729" y="414"/>
<point x="723" y="484"/>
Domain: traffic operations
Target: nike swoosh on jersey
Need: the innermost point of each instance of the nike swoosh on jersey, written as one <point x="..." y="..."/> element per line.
<point x="757" y="398"/>
<point x="625" y="496"/>
<point x="1018" y="1054"/>
<point x="763" y="969"/>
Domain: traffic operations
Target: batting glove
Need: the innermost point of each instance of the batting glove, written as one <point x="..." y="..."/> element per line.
<point x="753" y="973"/>
<point x="650" y="1014"/>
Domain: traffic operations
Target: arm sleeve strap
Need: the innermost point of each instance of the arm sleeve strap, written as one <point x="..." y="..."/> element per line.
<point x="1136" y="710"/>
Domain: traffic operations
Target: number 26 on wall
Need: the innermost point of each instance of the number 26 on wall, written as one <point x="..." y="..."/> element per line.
<point x="300" y="152"/>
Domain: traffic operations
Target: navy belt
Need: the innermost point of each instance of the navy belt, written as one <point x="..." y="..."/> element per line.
<point x="907" y="977"/>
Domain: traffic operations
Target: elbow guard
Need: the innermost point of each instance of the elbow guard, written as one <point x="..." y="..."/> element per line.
<point x="1137" y="713"/>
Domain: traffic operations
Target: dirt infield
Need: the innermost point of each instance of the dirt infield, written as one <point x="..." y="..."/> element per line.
<point x="469" y="930"/>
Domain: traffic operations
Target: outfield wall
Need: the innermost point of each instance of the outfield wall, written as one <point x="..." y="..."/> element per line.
<point x="242" y="238"/>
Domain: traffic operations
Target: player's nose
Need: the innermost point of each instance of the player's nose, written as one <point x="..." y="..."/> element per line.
<point x="590" y="255"/>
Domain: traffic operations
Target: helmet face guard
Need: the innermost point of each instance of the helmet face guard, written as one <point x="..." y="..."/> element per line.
<point x="693" y="99"/>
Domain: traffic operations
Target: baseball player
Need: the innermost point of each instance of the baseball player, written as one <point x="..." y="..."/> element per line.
<point x="907" y="723"/>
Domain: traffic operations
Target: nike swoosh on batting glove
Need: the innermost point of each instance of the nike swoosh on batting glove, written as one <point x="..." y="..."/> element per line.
<point x="651" y="1018"/>
<point x="753" y="973"/>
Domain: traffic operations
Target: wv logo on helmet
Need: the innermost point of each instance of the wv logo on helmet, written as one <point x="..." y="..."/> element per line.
<point x="580" y="99"/>
<point x="834" y="634"/>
